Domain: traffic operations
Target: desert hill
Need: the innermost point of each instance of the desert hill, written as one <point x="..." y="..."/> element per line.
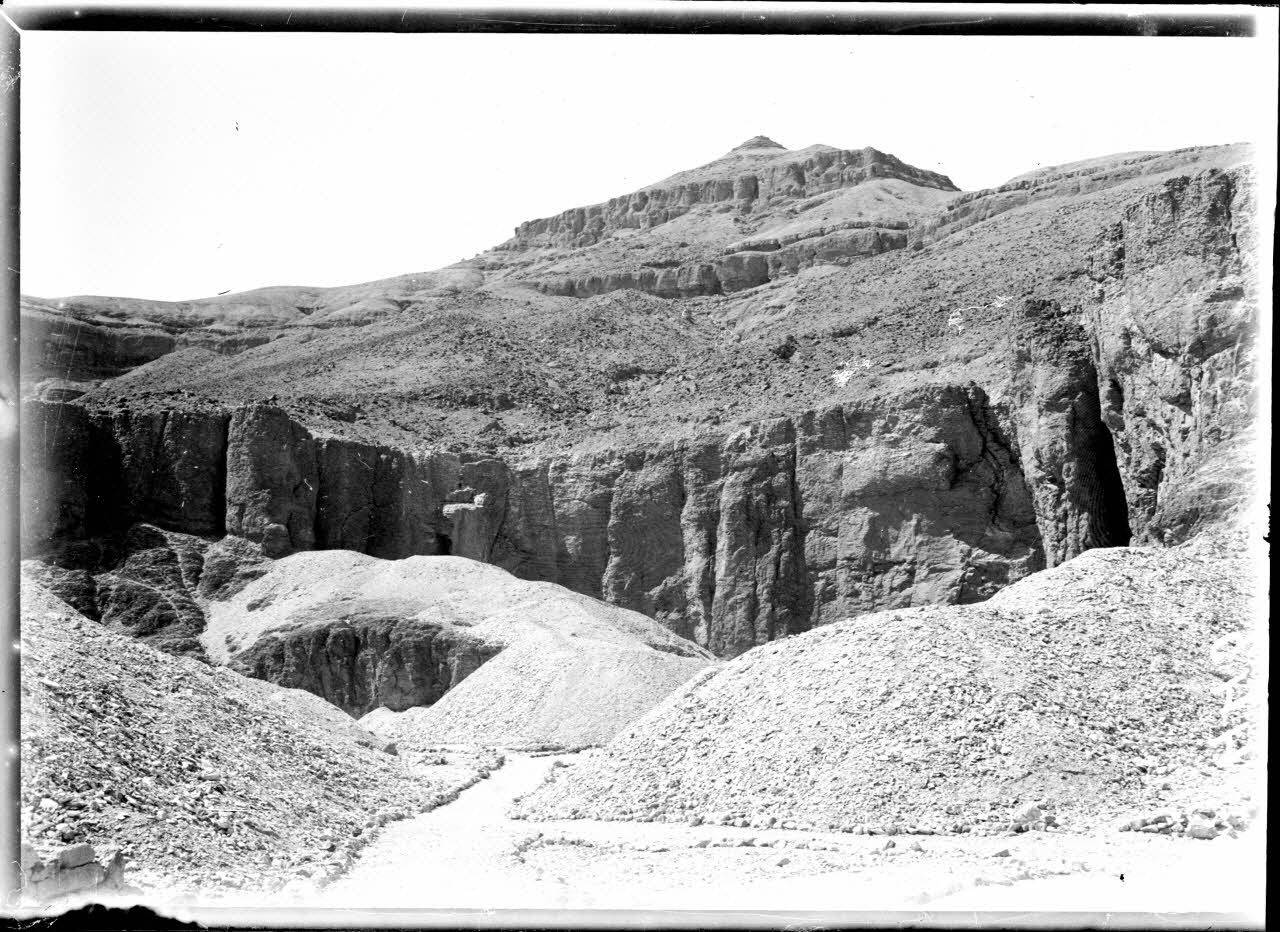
<point x="1116" y="683"/>
<point x="953" y="481"/>
<point x="535" y="663"/>
<point x="914" y="396"/>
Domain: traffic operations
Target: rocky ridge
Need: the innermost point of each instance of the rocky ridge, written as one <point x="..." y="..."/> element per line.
<point x="753" y="176"/>
<point x="905" y="376"/>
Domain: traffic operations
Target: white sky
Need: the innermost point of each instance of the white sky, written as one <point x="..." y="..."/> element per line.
<point x="183" y="165"/>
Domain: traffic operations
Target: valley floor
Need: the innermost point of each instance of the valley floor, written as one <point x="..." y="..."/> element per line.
<point x="468" y="855"/>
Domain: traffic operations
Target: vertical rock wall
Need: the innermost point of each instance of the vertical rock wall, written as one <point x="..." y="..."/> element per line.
<point x="731" y="541"/>
<point x="1174" y="326"/>
<point x="1067" y="451"/>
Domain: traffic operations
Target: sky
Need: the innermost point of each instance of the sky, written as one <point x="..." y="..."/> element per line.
<point x="178" y="166"/>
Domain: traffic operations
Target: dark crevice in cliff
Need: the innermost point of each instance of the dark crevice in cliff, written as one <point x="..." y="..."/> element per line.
<point x="220" y="478"/>
<point x="1110" y="528"/>
<point x="801" y="614"/>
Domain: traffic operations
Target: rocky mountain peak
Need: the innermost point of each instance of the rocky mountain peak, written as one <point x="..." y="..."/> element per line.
<point x="758" y="142"/>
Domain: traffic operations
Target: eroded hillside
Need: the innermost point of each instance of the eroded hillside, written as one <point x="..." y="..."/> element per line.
<point x="769" y="393"/>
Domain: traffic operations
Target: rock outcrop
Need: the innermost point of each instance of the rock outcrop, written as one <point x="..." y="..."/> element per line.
<point x="748" y="178"/>
<point x="400" y="635"/>
<point x="1175" y="323"/>
<point x="1069" y="181"/>
<point x="765" y="261"/>
<point x="732" y="541"/>
<point x="1067" y="451"/>
<point x="150" y="583"/>
<point x="74" y="869"/>
<point x="366" y="656"/>
<point x="1111" y="402"/>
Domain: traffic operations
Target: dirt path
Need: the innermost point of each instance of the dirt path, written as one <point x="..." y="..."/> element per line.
<point x="459" y="855"/>
<point x="469" y="855"/>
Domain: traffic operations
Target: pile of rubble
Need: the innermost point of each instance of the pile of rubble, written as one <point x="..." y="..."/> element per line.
<point x="201" y="779"/>
<point x="1097" y="690"/>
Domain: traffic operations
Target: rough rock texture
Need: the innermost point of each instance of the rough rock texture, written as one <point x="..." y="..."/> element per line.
<point x="366" y="633"/>
<point x="150" y="583"/>
<point x="203" y="779"/>
<point x="918" y="426"/>
<point x="1108" y="685"/>
<point x="271" y="481"/>
<point x="750" y="177"/>
<point x="732" y="542"/>
<point x="749" y="268"/>
<point x="1068" y="454"/>
<point x="74" y="869"/>
<point x="91" y="472"/>
<point x="972" y="207"/>
<point x="85" y="339"/>
<point x="1175" y="323"/>
<point x="365" y="656"/>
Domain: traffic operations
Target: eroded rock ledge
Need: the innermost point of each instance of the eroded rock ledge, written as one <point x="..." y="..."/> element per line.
<point x="805" y="173"/>
<point x="731" y="541"/>
<point x="1126" y="416"/>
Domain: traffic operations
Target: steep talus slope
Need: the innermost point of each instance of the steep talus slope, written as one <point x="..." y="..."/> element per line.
<point x="918" y="426"/>
<point x="446" y="632"/>
<point x="1109" y="685"/>
<point x="549" y="691"/>
<point x="203" y="778"/>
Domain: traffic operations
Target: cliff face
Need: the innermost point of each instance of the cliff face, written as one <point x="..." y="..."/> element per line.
<point x="745" y="184"/>
<point x="364" y="659"/>
<point x="1068" y="452"/>
<point x="741" y="269"/>
<point x="1118" y="410"/>
<point x="148" y="582"/>
<point x="732" y="541"/>
<point x="1174" y="323"/>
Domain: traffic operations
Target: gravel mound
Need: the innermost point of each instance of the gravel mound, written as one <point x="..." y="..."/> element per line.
<point x="203" y="779"/>
<point x="548" y="690"/>
<point x="1113" y="684"/>
<point x="554" y="667"/>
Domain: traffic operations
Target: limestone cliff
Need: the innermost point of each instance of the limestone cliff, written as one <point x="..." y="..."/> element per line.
<point x="751" y="177"/>
<point x="732" y="541"/>
<point x="1175" y="322"/>
<point x="1114" y="403"/>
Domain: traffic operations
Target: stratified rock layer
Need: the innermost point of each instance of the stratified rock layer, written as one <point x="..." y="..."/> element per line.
<point x="732" y="542"/>
<point x="890" y="456"/>
<point x="1175" y="322"/>
<point x="747" y="177"/>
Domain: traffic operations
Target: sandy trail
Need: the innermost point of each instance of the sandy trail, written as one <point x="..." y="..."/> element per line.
<point x="469" y="855"/>
<point x="459" y="855"/>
